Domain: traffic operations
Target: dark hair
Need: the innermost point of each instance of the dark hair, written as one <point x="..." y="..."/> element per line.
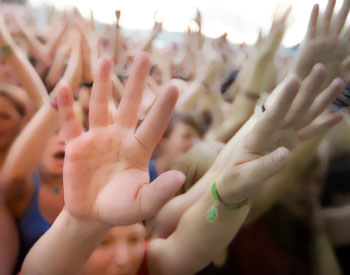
<point x="337" y="179"/>
<point x="342" y="100"/>
<point x="229" y="81"/>
<point x="19" y="107"/>
<point x="153" y="68"/>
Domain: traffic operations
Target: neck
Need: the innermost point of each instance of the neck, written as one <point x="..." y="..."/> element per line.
<point x="51" y="179"/>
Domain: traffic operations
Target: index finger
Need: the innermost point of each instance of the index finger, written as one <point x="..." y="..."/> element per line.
<point x="276" y="112"/>
<point x="311" y="29"/>
<point x="152" y="128"/>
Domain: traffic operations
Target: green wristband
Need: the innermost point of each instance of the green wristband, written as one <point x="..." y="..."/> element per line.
<point x="212" y="213"/>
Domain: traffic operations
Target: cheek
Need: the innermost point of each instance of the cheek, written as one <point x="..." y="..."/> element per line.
<point x="98" y="261"/>
<point x="12" y="124"/>
<point x="137" y="253"/>
<point x="10" y="128"/>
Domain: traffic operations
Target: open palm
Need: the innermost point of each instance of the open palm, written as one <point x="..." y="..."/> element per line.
<point x="258" y="151"/>
<point x="326" y="42"/>
<point x="106" y="169"/>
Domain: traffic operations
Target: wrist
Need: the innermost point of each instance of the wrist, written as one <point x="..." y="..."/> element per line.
<point x="229" y="192"/>
<point x="83" y="227"/>
<point x="221" y="210"/>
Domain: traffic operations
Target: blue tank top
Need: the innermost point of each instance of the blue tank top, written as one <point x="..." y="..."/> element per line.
<point x="31" y="224"/>
<point x="152" y="171"/>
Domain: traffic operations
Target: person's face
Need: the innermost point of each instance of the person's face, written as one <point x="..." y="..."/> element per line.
<point x="52" y="159"/>
<point x="182" y="138"/>
<point x="10" y="123"/>
<point x="121" y="252"/>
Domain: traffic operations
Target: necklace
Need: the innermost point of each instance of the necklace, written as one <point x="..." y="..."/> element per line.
<point x="56" y="189"/>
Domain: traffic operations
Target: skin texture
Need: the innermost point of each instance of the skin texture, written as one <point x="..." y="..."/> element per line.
<point x="121" y="251"/>
<point x="326" y="42"/>
<point x="10" y="123"/>
<point x="120" y="152"/>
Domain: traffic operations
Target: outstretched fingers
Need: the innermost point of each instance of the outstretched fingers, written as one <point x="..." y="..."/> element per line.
<point x="70" y="124"/>
<point x="320" y="126"/>
<point x="128" y="110"/>
<point x="152" y="128"/>
<point x="272" y="118"/>
<point x="321" y="102"/>
<point x="343" y="14"/>
<point x="328" y="16"/>
<point x="100" y="95"/>
<point x="261" y="169"/>
<point x="309" y="89"/>
<point x="311" y="30"/>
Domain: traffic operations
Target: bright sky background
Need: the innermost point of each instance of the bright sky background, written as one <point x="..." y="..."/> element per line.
<point x="241" y="19"/>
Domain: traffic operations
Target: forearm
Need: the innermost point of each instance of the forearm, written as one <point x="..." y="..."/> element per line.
<point x="25" y="72"/>
<point x="190" y="96"/>
<point x="64" y="248"/>
<point x="36" y="48"/>
<point x="26" y="151"/>
<point x="73" y="74"/>
<point x="186" y="250"/>
<point x="325" y="261"/>
<point x="57" y="67"/>
<point x="337" y="223"/>
<point x="9" y="241"/>
<point x="54" y="41"/>
<point x="148" y="43"/>
<point x="28" y="77"/>
<point x="239" y="113"/>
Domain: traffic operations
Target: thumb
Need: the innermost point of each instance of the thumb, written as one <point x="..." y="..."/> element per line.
<point x="160" y="191"/>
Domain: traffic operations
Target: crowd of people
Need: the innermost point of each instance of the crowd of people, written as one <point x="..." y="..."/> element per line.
<point x="202" y="157"/>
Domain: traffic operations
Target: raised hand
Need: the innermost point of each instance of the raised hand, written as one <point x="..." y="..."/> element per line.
<point x="259" y="149"/>
<point x="258" y="72"/>
<point x="89" y="45"/>
<point x="106" y="169"/>
<point x="257" y="75"/>
<point x="326" y="42"/>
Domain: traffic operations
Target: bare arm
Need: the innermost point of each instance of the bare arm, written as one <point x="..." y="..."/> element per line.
<point x="36" y="47"/>
<point x="29" y="78"/>
<point x="337" y="224"/>
<point x="26" y="151"/>
<point x="124" y="172"/>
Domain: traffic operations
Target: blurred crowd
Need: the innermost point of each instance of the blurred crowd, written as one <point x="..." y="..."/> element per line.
<point x="201" y="157"/>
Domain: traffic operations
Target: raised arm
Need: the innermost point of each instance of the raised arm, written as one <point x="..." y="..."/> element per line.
<point x="239" y="172"/>
<point x="27" y="75"/>
<point x="26" y="152"/>
<point x="157" y="28"/>
<point x="327" y="42"/>
<point x="256" y="76"/>
<point x="309" y="101"/>
<point x="89" y="46"/>
<point x="35" y="46"/>
<point x="105" y="177"/>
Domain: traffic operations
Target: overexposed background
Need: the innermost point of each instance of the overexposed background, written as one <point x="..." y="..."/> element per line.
<point x="241" y="19"/>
